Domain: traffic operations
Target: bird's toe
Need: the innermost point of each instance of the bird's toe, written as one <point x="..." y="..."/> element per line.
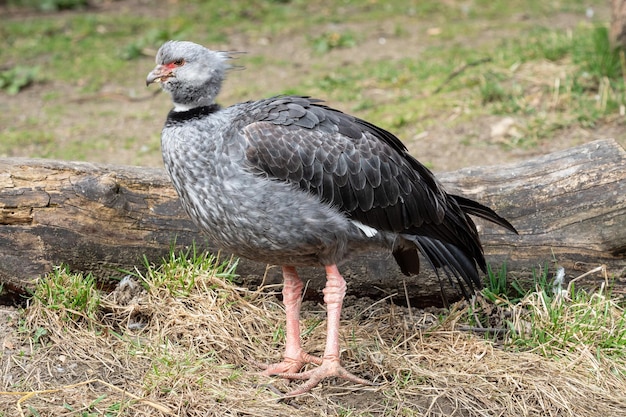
<point x="328" y="368"/>
<point x="288" y="366"/>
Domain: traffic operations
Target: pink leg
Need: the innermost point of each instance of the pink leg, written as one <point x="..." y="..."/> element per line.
<point x="334" y="292"/>
<point x="294" y="357"/>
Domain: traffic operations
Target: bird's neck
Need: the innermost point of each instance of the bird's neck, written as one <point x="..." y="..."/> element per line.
<point x="191" y="97"/>
<point x="178" y="107"/>
<point x="202" y="102"/>
<point x="176" y="117"/>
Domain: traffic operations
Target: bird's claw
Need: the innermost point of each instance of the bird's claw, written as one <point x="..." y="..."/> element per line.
<point x="288" y="365"/>
<point x="328" y="368"/>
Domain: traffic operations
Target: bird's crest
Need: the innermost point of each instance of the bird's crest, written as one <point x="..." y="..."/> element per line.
<point x="231" y="56"/>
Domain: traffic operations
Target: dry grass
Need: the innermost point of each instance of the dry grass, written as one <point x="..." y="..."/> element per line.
<point x="182" y="344"/>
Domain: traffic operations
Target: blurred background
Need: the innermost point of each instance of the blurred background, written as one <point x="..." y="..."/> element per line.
<point x="469" y="82"/>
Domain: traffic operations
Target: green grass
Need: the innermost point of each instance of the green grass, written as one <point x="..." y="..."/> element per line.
<point x="557" y="322"/>
<point x="74" y="296"/>
<point x="498" y="286"/>
<point x="574" y="321"/>
<point x="333" y="40"/>
<point x="89" y="44"/>
<point x="85" y="52"/>
<point x="18" y="77"/>
<point x="589" y="88"/>
<point x="177" y="274"/>
<point x="62" y="297"/>
<point x="39" y="142"/>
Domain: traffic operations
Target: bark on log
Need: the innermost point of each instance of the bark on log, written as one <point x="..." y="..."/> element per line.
<point x="569" y="206"/>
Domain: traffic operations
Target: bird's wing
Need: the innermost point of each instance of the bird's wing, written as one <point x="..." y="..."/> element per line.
<point x="353" y="165"/>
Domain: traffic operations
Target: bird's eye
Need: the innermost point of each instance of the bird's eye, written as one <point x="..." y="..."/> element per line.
<point x="179" y="62"/>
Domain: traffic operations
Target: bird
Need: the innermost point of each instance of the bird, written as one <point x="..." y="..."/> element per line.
<point x="290" y="181"/>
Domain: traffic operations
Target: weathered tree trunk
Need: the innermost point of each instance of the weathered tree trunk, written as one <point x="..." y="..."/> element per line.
<point x="569" y="206"/>
<point x="617" y="31"/>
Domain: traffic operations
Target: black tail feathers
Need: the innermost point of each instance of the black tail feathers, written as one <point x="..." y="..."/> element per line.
<point x="452" y="246"/>
<point x="479" y="210"/>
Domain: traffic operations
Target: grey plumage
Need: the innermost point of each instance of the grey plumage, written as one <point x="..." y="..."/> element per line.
<point x="289" y="181"/>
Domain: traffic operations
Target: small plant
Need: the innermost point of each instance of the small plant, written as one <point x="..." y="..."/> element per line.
<point x="38" y="334"/>
<point x="179" y="271"/>
<point x="498" y="288"/>
<point x="33" y="411"/>
<point x="496" y="283"/>
<point x="311" y="325"/>
<point x="278" y="336"/>
<point x="72" y="295"/>
<point x="491" y="90"/>
<point x="500" y="295"/>
<point x="332" y="40"/>
<point x="17" y="78"/>
<point x="596" y="55"/>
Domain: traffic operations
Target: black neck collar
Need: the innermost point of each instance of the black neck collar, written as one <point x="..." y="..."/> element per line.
<point x="175" y="117"/>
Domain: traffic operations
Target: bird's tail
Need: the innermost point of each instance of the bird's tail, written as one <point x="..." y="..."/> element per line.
<point x="477" y="209"/>
<point x="452" y="246"/>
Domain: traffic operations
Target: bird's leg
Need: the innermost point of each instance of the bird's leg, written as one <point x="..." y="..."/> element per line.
<point x="334" y="293"/>
<point x="294" y="357"/>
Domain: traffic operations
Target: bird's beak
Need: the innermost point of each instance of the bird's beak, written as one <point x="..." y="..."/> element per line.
<point x="159" y="74"/>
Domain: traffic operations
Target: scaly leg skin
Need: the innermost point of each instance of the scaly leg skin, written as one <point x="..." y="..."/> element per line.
<point x="334" y="292"/>
<point x="294" y="357"/>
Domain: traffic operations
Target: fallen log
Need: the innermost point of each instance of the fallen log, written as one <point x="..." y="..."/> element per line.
<point x="569" y="206"/>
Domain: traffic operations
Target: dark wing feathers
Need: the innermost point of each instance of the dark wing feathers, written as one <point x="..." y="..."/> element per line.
<point x="359" y="168"/>
<point x="367" y="173"/>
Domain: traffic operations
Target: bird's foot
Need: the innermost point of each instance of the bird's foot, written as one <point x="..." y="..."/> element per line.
<point x="328" y="368"/>
<point x="289" y="365"/>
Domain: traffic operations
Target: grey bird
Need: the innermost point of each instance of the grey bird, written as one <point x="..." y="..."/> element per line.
<point x="290" y="181"/>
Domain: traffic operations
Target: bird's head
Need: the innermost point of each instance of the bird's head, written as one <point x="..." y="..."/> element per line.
<point x="191" y="73"/>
